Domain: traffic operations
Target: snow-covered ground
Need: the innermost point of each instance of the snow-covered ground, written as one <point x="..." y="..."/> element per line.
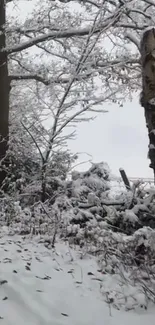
<point x="39" y="286"/>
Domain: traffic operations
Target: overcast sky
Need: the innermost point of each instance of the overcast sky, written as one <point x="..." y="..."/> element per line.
<point x="119" y="138"/>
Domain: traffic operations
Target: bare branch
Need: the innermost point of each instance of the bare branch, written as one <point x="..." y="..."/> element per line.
<point x="84" y="55"/>
<point x="132" y="26"/>
<point x="117" y="62"/>
<point x="112" y="19"/>
<point x="53" y="35"/>
<point x="36" y="144"/>
<point x="83" y="2"/>
<point x="141" y="13"/>
<point x="47" y="82"/>
<point x="87" y="107"/>
<point x="64" y="80"/>
<point x="69" y="33"/>
<point x="150" y="2"/>
<point x="31" y="77"/>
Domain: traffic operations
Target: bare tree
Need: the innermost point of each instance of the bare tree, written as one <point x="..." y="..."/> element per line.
<point x="64" y="57"/>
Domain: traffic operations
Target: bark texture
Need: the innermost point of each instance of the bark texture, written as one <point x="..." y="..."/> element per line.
<point x="148" y="88"/>
<point x="4" y="90"/>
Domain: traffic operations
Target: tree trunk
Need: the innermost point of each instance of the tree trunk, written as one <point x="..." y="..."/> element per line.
<point x="148" y="88"/>
<point x="43" y="182"/>
<point x="4" y="90"/>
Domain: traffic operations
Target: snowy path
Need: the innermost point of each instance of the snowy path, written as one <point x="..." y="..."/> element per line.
<point x="55" y="288"/>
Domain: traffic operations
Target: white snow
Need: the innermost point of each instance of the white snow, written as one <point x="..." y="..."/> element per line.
<point x="151" y="146"/>
<point x="153" y="131"/>
<point x="93" y="199"/>
<point x="56" y="287"/>
<point x="147" y="29"/>
<point x="130" y="216"/>
<point x="152" y="101"/>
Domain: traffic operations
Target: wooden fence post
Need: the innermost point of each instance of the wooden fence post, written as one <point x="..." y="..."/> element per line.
<point x="125" y="179"/>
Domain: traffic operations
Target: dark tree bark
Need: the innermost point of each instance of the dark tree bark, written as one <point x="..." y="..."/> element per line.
<point x="148" y="88"/>
<point x="4" y="91"/>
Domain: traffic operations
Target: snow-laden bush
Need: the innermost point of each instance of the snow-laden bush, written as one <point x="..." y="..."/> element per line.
<point x="94" y="181"/>
<point x="23" y="169"/>
<point x="119" y="229"/>
<point x="85" y="206"/>
<point x="131" y="262"/>
<point x="78" y="202"/>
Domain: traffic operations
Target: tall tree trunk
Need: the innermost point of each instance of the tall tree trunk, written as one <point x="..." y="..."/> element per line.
<point x="4" y="90"/>
<point x="148" y="88"/>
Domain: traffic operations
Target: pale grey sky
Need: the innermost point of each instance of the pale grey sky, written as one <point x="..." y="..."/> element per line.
<point x="118" y="137"/>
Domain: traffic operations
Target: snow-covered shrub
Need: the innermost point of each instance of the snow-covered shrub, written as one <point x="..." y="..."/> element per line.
<point x="24" y="173"/>
<point x="131" y="262"/>
<point x="135" y="211"/>
<point x="75" y="207"/>
<point x="15" y="217"/>
<point x="95" y="181"/>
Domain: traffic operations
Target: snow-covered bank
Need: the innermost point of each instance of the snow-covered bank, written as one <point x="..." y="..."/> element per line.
<point x="41" y="286"/>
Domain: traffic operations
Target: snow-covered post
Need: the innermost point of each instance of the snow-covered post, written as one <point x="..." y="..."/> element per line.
<point x="147" y="100"/>
<point x="125" y="179"/>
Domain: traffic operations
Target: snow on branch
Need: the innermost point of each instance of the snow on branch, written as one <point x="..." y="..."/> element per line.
<point x="110" y="21"/>
<point x="132" y="26"/>
<point x="38" y="78"/>
<point x="47" y="82"/>
<point x="133" y="39"/>
<point x="80" y="32"/>
<point x="64" y="80"/>
<point x="93" y="3"/>
<point x="84" y="55"/>
<point x="71" y="118"/>
<point x="150" y="2"/>
<point x="121" y="61"/>
<point x="54" y="35"/>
